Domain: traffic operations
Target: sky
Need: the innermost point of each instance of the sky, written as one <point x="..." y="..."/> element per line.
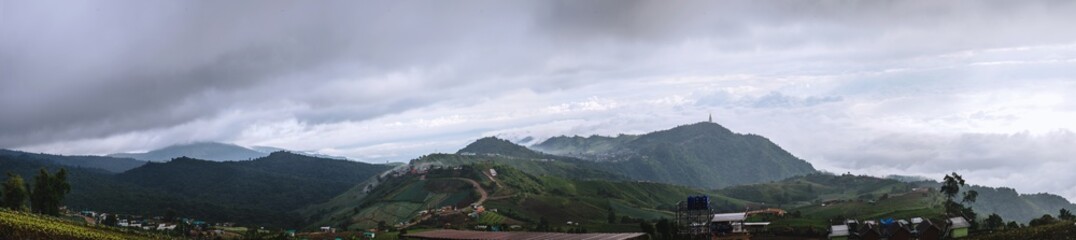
<point x="982" y="88"/>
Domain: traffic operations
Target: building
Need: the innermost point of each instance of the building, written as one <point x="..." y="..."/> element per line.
<point x="479" y="235"/>
<point x="729" y="222"/>
<point x="839" y="232"/>
<point x="958" y="227"/>
<point x="927" y="230"/>
<point x="888" y="229"/>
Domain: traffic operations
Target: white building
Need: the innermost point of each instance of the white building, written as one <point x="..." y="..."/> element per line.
<point x="733" y="222"/>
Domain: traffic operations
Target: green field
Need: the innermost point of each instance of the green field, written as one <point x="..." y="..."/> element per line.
<point x="17" y="225"/>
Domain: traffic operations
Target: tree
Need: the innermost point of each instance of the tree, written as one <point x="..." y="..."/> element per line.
<point x="14" y="192"/>
<point x="1046" y="219"/>
<point x="382" y="226"/>
<point x="170" y="215"/>
<point x="48" y="192"/>
<point x="612" y="215"/>
<point x="664" y="228"/>
<point x="1012" y="225"/>
<point x="543" y="225"/>
<point x="1066" y="215"/>
<point x="110" y="220"/>
<point x="951" y="188"/>
<point x="994" y="222"/>
<point x="648" y="228"/>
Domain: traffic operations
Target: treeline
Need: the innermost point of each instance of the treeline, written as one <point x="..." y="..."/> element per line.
<point x="44" y="196"/>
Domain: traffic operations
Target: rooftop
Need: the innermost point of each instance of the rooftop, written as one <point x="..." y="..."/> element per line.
<point x="959" y="222"/>
<point x="838" y="230"/>
<point x="477" y="235"/>
<point x="729" y="217"/>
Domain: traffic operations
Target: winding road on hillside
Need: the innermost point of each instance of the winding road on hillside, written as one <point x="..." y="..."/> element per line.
<point x="483" y="196"/>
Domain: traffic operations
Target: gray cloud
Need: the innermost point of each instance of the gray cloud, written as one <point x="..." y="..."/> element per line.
<point x="96" y="69"/>
<point x="917" y="86"/>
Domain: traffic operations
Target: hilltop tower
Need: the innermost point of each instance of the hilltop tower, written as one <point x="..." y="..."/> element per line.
<point x="711" y="117"/>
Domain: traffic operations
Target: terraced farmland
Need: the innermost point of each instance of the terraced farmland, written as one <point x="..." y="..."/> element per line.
<point x="16" y="225"/>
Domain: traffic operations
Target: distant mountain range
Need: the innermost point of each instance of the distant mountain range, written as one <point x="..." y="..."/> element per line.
<point x="559" y="179"/>
<point x="264" y="191"/>
<point x="111" y="164"/>
<point x="213" y="151"/>
<point x="704" y="155"/>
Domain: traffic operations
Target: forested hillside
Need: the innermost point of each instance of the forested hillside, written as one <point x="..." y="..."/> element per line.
<point x="263" y="192"/>
<point x="704" y="155"/>
<point x="111" y="164"/>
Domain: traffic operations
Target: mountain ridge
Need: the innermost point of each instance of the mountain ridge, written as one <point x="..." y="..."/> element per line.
<point x="201" y="150"/>
<point x="704" y="154"/>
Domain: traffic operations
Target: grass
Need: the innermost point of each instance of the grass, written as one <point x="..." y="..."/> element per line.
<point x="414" y="192"/>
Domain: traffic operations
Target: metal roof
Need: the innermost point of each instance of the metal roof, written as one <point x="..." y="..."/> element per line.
<point x="477" y="235"/>
<point x="729" y="217"/>
<point x="958" y="222"/>
<point x="838" y="230"/>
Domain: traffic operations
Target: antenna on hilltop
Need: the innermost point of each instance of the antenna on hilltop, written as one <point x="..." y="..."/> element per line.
<point x="711" y="117"/>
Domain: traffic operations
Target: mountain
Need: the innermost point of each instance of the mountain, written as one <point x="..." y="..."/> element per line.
<point x="201" y="150"/>
<point x="593" y="147"/>
<point x="1011" y="205"/>
<point x="265" y="149"/>
<point x="822" y="197"/>
<point x="512" y="197"/>
<point x="111" y="164"/>
<point x="280" y="181"/>
<point x="265" y="191"/>
<point x="704" y="155"/>
<point x="497" y="146"/>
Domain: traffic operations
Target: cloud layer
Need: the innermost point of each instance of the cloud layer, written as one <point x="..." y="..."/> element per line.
<point x="911" y="87"/>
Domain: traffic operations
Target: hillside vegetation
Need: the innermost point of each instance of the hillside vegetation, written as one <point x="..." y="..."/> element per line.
<point x="704" y="155"/>
<point x="110" y="164"/>
<point x="17" y="225"/>
<point x="518" y="197"/>
<point x="1064" y="230"/>
<point x="262" y="192"/>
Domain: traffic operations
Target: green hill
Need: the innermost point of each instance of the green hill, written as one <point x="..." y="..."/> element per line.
<point x="704" y="155"/>
<point x="496" y="146"/>
<point x="552" y="165"/>
<point x="1013" y="206"/>
<point x="111" y="164"/>
<point x="264" y="192"/>
<point x="520" y="198"/>
<point x="592" y="148"/>
<point x="820" y="198"/>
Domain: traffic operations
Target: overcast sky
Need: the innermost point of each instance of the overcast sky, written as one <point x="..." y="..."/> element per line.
<point x="984" y="88"/>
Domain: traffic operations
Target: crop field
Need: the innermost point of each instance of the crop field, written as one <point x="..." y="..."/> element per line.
<point x="414" y="192"/>
<point x="491" y="218"/>
<point x="458" y="199"/>
<point x="391" y="213"/>
<point x="622" y="209"/>
<point x="15" y="225"/>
